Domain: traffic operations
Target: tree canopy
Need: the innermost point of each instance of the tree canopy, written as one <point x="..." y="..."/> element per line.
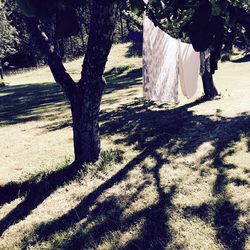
<point x="8" y="34"/>
<point x="213" y="24"/>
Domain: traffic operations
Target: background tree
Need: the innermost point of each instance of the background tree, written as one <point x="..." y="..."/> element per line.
<point x="28" y="53"/>
<point x="8" y="34"/>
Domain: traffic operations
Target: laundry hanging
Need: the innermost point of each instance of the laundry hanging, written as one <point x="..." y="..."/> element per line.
<point x="189" y="67"/>
<point x="160" y="64"/>
<point x="164" y="59"/>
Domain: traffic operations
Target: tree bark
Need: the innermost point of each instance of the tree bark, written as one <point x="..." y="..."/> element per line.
<point x="208" y="85"/>
<point x="86" y="102"/>
<point x="85" y="112"/>
<point x="81" y="29"/>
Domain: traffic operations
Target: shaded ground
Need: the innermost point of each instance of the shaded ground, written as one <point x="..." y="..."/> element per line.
<point x="170" y="177"/>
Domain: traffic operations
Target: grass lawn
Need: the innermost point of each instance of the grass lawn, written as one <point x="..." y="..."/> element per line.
<point x="169" y="176"/>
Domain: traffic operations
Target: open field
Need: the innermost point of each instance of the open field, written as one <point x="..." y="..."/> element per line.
<point x="170" y="176"/>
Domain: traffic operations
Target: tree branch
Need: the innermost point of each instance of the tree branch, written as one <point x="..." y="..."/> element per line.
<point x="102" y="25"/>
<point x="56" y="66"/>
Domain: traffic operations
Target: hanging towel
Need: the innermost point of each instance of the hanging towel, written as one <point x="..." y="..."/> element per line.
<point x="160" y="64"/>
<point x="189" y="67"/>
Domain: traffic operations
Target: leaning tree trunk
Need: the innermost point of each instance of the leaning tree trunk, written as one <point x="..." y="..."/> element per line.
<point x="208" y="85"/>
<point x="86" y="102"/>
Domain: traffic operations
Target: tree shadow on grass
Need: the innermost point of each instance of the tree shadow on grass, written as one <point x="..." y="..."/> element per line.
<point x="155" y="233"/>
<point x="34" y="192"/>
<point x="30" y="102"/>
<point x="135" y="49"/>
<point x="149" y="127"/>
<point x="122" y="78"/>
<point x="107" y="218"/>
<point x="141" y="128"/>
<point x="223" y="215"/>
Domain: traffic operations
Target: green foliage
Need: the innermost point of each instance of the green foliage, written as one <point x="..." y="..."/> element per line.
<point x="134" y="22"/>
<point x="27" y="51"/>
<point x="175" y="16"/>
<point x="8" y="34"/>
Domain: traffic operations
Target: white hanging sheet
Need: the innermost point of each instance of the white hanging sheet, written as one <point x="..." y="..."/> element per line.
<point x="160" y="64"/>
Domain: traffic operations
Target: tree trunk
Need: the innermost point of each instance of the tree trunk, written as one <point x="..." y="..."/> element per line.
<point x="208" y="85"/>
<point x="85" y="112"/>
<point x="85" y="105"/>
<point x="61" y="49"/>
